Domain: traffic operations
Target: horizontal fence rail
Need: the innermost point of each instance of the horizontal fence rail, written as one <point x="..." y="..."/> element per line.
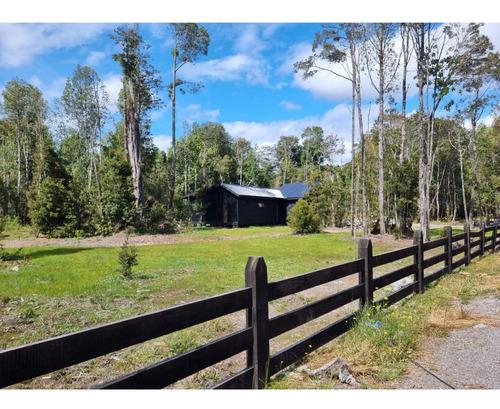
<point x="25" y="362"/>
<point x="441" y="256"/>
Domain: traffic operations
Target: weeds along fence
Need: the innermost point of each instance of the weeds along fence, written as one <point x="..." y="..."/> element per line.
<point x="446" y="254"/>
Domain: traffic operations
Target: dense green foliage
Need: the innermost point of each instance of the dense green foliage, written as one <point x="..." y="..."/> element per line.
<point x="302" y="218"/>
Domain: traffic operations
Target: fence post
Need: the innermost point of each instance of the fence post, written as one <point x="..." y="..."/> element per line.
<point x="448" y="248"/>
<point x="467" y="242"/>
<point x="495" y="233"/>
<point x="365" y="251"/>
<point x="418" y="259"/>
<point x="258" y="319"/>
<point x="482" y="226"/>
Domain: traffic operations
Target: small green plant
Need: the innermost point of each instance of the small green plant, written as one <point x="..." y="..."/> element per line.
<point x="28" y="314"/>
<point x="127" y="257"/>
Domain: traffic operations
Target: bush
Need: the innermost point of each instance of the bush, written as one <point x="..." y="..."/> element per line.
<point x="156" y="215"/>
<point x="127" y="257"/>
<point x="302" y="219"/>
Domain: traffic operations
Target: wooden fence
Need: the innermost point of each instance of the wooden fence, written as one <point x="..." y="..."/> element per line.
<point x="28" y="361"/>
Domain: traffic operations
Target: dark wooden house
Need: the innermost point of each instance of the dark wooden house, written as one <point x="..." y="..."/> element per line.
<point x="234" y="205"/>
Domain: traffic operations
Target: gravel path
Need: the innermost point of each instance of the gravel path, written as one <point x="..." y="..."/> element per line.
<point x="469" y="358"/>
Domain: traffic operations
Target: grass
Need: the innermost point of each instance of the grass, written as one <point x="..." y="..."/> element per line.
<point x="206" y="267"/>
<point x="50" y="290"/>
<point x="216" y="233"/>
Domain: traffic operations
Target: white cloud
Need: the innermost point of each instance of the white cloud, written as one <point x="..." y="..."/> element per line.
<point x="336" y="121"/>
<point x="247" y="63"/>
<point x="158" y="114"/>
<point x="163" y="142"/>
<point x="49" y="91"/>
<point x="21" y="43"/>
<point x="113" y="84"/>
<point x="249" y="40"/>
<point x="232" y="68"/>
<point x="95" y="58"/>
<point x="290" y="106"/>
<point x="194" y="113"/>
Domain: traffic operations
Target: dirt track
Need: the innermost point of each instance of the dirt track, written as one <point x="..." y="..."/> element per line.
<point x="117" y="240"/>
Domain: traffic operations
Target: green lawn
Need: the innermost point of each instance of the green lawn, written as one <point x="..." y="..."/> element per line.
<point x="49" y="291"/>
<point x="200" y="268"/>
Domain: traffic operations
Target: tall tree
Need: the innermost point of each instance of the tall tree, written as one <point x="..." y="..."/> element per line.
<point x="26" y="111"/>
<point x="288" y="154"/>
<point x="382" y="63"/>
<point x="84" y="100"/>
<point x="458" y="141"/>
<point x="140" y="80"/>
<point x="212" y="153"/>
<point x="406" y="51"/>
<point x="477" y="71"/>
<point x="436" y="77"/>
<point x="242" y="148"/>
<point x="312" y="149"/>
<point x="339" y="43"/>
<point x="190" y="41"/>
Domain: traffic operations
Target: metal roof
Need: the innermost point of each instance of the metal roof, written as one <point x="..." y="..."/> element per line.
<point x="294" y="190"/>
<point x="252" y="191"/>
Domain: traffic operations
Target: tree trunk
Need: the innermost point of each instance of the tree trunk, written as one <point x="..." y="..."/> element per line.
<point x="420" y="131"/>
<point x="353" y="135"/>
<point x="406" y="57"/>
<point x="474" y="170"/>
<point x="133" y="142"/>
<point x="19" y="177"/>
<point x="357" y="83"/>
<point x="172" y="177"/>
<point x="381" y="157"/>
<point x="467" y="217"/>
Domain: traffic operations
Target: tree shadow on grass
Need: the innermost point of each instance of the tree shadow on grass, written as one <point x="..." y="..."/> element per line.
<point x="55" y="251"/>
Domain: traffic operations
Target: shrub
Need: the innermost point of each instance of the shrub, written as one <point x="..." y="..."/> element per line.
<point x="302" y="219"/>
<point x="155" y="215"/>
<point x="127" y="257"/>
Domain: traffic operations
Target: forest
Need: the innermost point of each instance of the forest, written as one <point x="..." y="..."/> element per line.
<point x="68" y="169"/>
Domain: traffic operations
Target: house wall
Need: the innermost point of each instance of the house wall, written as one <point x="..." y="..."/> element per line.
<point x="222" y="209"/>
<point x="260" y="211"/>
<point x="225" y="209"/>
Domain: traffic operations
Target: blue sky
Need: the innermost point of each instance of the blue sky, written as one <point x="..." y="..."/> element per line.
<point x="249" y="84"/>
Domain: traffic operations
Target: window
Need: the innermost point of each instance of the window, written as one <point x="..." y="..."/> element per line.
<point x="262" y="204"/>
